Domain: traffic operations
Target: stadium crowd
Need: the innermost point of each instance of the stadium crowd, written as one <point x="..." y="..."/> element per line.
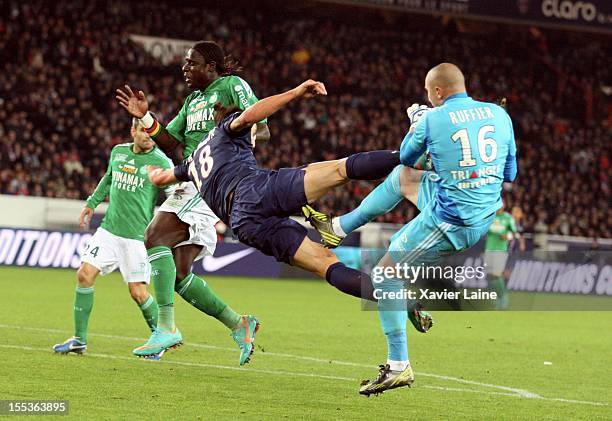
<point x="60" y="67"/>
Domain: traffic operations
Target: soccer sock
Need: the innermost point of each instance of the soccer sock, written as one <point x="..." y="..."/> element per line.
<point x="371" y="165"/>
<point x="150" y="312"/>
<point x="397" y="350"/>
<point x="163" y="273"/>
<point x="337" y="227"/>
<point x="230" y="318"/>
<point x="380" y="201"/>
<point x="498" y="285"/>
<point x="393" y="318"/>
<point x="494" y="284"/>
<point x="502" y="286"/>
<point x="350" y="281"/>
<point x="83" y="303"/>
<point x="196" y="292"/>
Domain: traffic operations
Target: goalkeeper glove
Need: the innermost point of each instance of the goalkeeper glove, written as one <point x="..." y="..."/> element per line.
<point x="416" y="111"/>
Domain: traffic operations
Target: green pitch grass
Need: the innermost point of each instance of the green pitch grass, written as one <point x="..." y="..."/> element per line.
<point x="314" y="347"/>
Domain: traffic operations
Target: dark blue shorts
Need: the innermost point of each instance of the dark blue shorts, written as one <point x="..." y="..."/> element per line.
<point x="263" y="202"/>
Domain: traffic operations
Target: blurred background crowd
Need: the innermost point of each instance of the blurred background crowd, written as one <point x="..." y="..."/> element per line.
<point x="60" y="67"/>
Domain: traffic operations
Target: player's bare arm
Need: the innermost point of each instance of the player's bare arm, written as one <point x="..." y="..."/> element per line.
<point x="268" y="106"/>
<point x="85" y="217"/>
<point x="137" y="105"/>
<point x="161" y="177"/>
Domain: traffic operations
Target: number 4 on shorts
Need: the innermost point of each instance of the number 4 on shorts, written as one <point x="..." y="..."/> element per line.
<point x="95" y="251"/>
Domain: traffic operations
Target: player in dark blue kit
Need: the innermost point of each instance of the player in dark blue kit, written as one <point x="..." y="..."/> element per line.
<point x="256" y="203"/>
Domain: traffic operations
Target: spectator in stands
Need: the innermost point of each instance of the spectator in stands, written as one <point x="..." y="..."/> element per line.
<point x="60" y="66"/>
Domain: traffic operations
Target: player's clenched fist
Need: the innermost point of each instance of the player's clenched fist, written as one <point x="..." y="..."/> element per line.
<point x="309" y="89"/>
<point x="416" y="111"/>
<point x="135" y="103"/>
<point x="160" y="177"/>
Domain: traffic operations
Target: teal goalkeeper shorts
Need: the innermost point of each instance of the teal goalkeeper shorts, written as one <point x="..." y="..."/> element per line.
<point x="426" y="239"/>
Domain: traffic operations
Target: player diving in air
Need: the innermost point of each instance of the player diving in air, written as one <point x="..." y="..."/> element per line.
<point x="472" y="147"/>
<point x="256" y="203"/>
<point x="183" y="228"/>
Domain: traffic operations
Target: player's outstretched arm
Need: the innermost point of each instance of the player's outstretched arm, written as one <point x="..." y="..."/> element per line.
<point x="413" y="147"/>
<point x="161" y="177"/>
<point x="137" y="105"/>
<point x="268" y="106"/>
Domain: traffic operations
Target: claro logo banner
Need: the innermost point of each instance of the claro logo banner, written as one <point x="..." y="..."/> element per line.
<point x="36" y="248"/>
<point x="593" y="14"/>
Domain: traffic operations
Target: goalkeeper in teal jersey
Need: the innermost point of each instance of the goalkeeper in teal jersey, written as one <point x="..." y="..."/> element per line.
<point x="119" y="242"/>
<point x="472" y="149"/>
<point x="501" y="232"/>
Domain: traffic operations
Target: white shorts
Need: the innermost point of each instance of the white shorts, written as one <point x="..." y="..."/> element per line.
<point x="107" y="252"/>
<point x="495" y="262"/>
<point x="187" y="204"/>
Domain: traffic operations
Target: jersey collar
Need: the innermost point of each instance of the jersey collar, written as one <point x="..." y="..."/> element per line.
<point x="141" y="153"/>
<point x="212" y="84"/>
<point x="454" y="96"/>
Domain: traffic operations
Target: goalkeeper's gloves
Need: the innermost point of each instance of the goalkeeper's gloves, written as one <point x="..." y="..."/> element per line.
<point x="415" y="112"/>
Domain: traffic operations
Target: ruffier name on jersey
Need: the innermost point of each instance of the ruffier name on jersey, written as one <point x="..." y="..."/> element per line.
<point x="196" y="121"/>
<point x="471" y="114"/>
<point x="128" y="182"/>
